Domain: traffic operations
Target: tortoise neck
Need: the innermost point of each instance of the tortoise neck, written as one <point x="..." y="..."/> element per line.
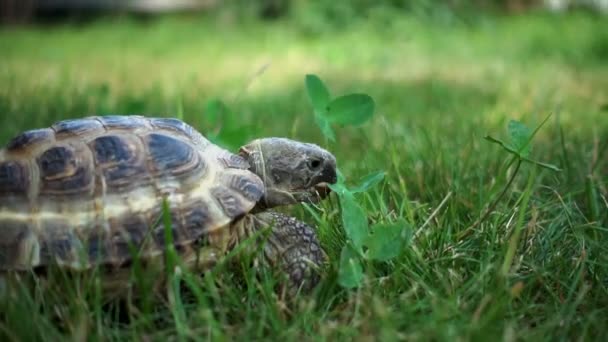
<point x="245" y="229"/>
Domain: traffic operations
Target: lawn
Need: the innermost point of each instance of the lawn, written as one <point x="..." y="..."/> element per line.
<point x="535" y="268"/>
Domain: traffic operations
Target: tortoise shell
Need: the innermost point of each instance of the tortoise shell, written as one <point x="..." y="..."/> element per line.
<point x="91" y="191"/>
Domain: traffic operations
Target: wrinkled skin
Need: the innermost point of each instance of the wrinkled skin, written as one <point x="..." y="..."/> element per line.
<point x="293" y="172"/>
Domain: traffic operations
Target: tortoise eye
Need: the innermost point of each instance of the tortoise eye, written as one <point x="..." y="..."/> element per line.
<point x="315" y="163"/>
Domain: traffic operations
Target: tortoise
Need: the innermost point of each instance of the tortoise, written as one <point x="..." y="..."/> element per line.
<point x="90" y="192"/>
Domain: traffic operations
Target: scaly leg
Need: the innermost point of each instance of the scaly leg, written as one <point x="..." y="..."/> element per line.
<point x="291" y="247"/>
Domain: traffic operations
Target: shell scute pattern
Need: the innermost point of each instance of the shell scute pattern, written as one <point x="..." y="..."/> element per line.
<point x="233" y="161"/>
<point x="60" y="249"/>
<point x="160" y="235"/>
<point x="97" y="248"/>
<point x="196" y="218"/>
<point x="211" y="187"/>
<point x="143" y="234"/>
<point x="57" y="161"/>
<point x="130" y="238"/>
<point x="170" y="155"/>
<point x="112" y="149"/>
<point x="65" y="169"/>
<point x="232" y="206"/>
<point x="14" y="178"/>
<point x="118" y="158"/>
<point x="57" y="243"/>
<point x="30" y="138"/>
<point x="14" y="236"/>
<point x="76" y="127"/>
<point x="249" y="187"/>
<point x="111" y="122"/>
<point x="172" y="124"/>
<point x="127" y="238"/>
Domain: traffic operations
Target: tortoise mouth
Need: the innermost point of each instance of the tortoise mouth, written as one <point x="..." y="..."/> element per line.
<point x="312" y="194"/>
<point x="322" y="190"/>
<point x="318" y="185"/>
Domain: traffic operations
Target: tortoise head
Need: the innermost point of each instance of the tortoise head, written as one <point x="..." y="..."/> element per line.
<point x="292" y="171"/>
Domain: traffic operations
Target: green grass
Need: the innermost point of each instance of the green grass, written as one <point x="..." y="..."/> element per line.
<point x="439" y="89"/>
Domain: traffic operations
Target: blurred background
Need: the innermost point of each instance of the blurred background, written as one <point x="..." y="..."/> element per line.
<point x="18" y="10"/>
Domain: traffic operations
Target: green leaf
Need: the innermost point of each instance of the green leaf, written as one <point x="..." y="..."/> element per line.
<point x="511" y="149"/>
<point x="386" y="240"/>
<point x="319" y="98"/>
<point x="369" y="181"/>
<point x="506" y="146"/>
<point x="353" y="220"/>
<point x="545" y="165"/>
<point x="325" y="127"/>
<point x="341" y="178"/>
<point x="352" y="109"/>
<point x="350" y="274"/>
<point x="521" y="137"/>
<point x="317" y="93"/>
<point x="339" y="188"/>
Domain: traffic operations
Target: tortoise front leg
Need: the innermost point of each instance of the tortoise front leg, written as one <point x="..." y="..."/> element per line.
<point x="292" y="248"/>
